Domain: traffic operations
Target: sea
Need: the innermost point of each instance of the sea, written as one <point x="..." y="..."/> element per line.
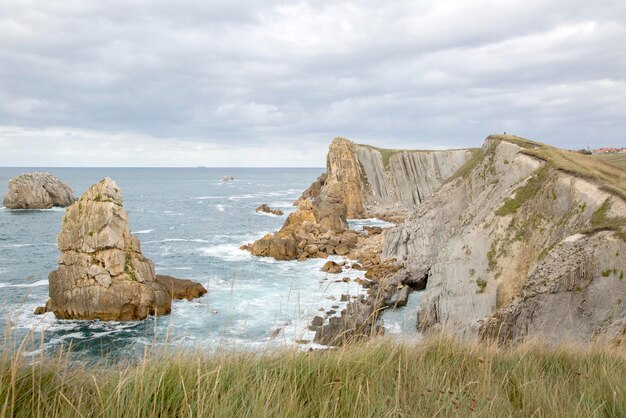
<point x="191" y="225"/>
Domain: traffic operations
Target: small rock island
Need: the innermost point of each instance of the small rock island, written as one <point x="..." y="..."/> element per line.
<point x="102" y="272"/>
<point x="37" y="191"/>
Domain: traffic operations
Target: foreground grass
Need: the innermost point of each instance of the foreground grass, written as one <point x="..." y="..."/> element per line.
<point x="435" y="378"/>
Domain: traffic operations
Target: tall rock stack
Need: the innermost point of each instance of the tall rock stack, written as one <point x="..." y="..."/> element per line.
<point x="102" y="272"/>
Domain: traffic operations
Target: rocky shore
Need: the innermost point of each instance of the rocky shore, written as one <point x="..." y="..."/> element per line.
<point x="37" y="191"/>
<point x="513" y="240"/>
<point x="360" y="182"/>
<point x="102" y="273"/>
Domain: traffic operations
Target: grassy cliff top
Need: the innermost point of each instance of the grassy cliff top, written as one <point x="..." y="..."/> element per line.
<point x="618" y="160"/>
<point x="610" y="177"/>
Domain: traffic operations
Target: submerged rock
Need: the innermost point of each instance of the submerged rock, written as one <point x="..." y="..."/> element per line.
<point x="37" y="191"/>
<point x="102" y="272"/>
<point x="266" y="209"/>
<point x="228" y="178"/>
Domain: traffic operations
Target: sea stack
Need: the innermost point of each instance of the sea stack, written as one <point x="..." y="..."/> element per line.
<point x="102" y="272"/>
<point x="37" y="191"/>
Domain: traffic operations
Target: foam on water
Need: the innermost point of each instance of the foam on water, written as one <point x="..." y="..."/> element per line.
<point x="358" y="224"/>
<point x="36" y="284"/>
<point x="252" y="302"/>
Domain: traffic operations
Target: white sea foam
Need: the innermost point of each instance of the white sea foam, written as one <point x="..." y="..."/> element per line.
<point x="358" y="224"/>
<point x="228" y="252"/>
<point x="144" y="231"/>
<point x="208" y="197"/>
<point x="242" y="196"/>
<point x="220" y="208"/>
<point x="35" y="284"/>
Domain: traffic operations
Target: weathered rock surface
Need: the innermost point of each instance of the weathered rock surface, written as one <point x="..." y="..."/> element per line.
<point x="228" y="178"/>
<point x="102" y="272"/>
<point x="181" y="288"/>
<point x="510" y="251"/>
<point x="37" y="191"/>
<point x="266" y="209"/>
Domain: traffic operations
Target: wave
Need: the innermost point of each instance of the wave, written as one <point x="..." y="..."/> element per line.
<point x="220" y="208"/>
<point x="52" y="209"/>
<point x="26" y="245"/>
<point x="36" y="284"/>
<point x="208" y="197"/>
<point x="144" y="231"/>
<point x="228" y="252"/>
<point x="242" y="196"/>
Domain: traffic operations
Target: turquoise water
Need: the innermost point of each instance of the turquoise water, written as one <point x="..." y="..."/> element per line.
<point x="191" y="225"/>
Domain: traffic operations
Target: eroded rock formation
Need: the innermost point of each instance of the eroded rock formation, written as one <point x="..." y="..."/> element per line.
<point x="37" y="191"/>
<point x="102" y="272"/>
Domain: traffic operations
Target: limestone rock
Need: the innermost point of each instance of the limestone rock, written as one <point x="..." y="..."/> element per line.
<point x="37" y="191"/>
<point x="332" y="267"/>
<point x="228" y="178"/>
<point x="102" y="272"/>
<point x="181" y="288"/>
<point x="266" y="209"/>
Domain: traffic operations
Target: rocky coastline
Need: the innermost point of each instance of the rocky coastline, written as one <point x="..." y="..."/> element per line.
<point x="511" y="241"/>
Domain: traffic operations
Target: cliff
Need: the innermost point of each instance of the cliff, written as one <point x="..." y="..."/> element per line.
<point x="373" y="179"/>
<point x="360" y="181"/>
<point x="524" y="240"/>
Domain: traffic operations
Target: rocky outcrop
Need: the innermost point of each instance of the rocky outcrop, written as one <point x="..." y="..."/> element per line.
<point x="360" y="181"/>
<point x="228" y="178"/>
<point x="37" y="191"/>
<point x="518" y="244"/>
<point x="181" y="288"/>
<point x="266" y="209"/>
<point x="102" y="272"/>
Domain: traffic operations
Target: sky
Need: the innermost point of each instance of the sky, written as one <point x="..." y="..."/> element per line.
<point x="271" y="83"/>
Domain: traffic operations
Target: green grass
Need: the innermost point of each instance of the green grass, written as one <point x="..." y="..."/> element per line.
<point x="438" y="377"/>
<point x="600" y="221"/>
<point x="532" y="188"/>
<point x="464" y="171"/>
<point x="618" y="160"/>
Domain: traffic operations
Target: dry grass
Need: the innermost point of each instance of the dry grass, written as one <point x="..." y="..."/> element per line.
<point x="618" y="160"/>
<point x="610" y="177"/>
<point x="438" y="377"/>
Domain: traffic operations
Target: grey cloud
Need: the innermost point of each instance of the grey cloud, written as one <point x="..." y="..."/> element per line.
<point x="272" y="73"/>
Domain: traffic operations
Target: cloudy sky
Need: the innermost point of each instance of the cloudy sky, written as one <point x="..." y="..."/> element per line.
<point x="270" y="83"/>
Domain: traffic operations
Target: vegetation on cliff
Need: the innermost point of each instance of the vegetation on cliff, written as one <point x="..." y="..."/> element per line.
<point x="437" y="377"/>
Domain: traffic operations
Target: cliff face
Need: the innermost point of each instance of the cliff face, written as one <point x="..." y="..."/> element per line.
<point x="372" y="179"/>
<point x="515" y="247"/>
<point x="360" y="181"/>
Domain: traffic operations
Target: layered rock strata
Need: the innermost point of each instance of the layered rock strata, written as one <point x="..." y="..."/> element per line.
<point x="102" y="272"/>
<point x="37" y="191"/>
<point x="519" y="244"/>
<point x="359" y="181"/>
